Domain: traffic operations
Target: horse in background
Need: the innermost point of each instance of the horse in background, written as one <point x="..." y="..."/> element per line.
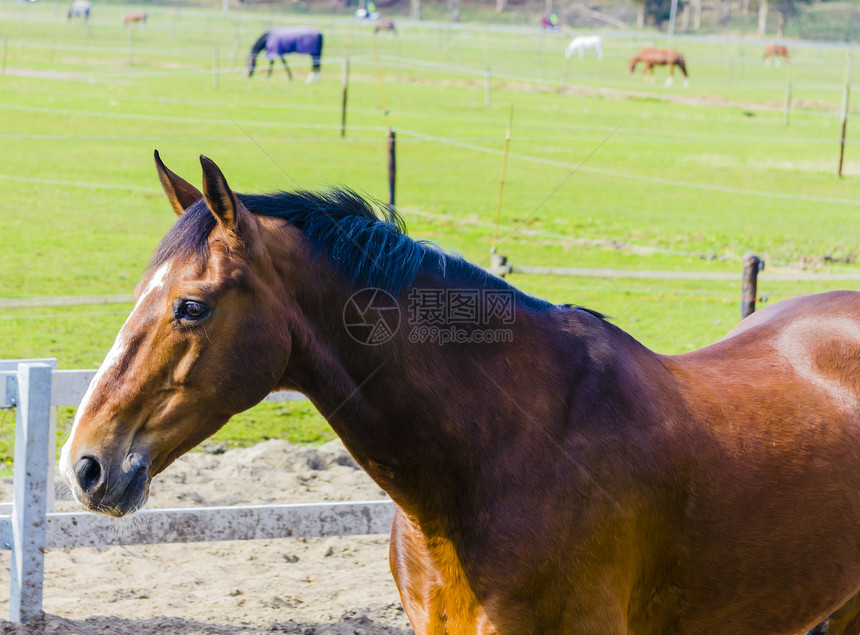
<point x="289" y="39"/>
<point x="384" y="25"/>
<point x="80" y="9"/>
<point x="772" y="53"/>
<point x="583" y="43"/>
<point x="135" y="17"/>
<point x="651" y="57"/>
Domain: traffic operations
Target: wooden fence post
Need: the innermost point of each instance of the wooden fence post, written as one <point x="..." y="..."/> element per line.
<point x="752" y="265"/>
<point x="787" y="109"/>
<point x="502" y="181"/>
<point x="345" y="83"/>
<point x="499" y="265"/>
<point x="392" y="166"/>
<point x="844" y="128"/>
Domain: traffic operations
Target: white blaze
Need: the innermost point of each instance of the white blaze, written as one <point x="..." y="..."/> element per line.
<point x="113" y="358"/>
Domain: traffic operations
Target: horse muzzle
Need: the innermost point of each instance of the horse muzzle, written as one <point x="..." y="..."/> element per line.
<point x="115" y="490"/>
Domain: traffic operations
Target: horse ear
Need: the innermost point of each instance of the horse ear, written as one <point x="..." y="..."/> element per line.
<point x="220" y="199"/>
<point x="180" y="192"/>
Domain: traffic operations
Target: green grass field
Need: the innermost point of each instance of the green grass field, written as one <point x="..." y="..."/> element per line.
<point x="604" y="172"/>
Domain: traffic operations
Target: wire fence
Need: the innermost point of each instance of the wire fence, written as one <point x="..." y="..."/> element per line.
<point x="709" y="187"/>
<point x="406" y="135"/>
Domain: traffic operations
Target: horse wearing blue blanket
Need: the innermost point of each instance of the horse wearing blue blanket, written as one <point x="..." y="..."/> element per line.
<point x="292" y="39"/>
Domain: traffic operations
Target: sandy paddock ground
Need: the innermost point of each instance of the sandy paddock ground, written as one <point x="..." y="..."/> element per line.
<point x="291" y="585"/>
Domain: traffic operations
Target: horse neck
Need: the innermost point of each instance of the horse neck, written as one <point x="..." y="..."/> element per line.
<point x="259" y="44"/>
<point x="416" y="414"/>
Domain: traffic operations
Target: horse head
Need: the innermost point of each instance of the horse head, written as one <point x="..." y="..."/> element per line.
<point x="258" y="46"/>
<point x="681" y="64"/>
<point x="631" y="65"/>
<point x="571" y="47"/>
<point x="191" y="353"/>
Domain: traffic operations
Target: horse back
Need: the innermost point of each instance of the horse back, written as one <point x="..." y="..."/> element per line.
<point x="800" y="355"/>
<point x="773" y="440"/>
<point x="134" y="16"/>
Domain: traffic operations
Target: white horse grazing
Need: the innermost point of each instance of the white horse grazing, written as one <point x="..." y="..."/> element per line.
<point x="583" y="42"/>
<point x="80" y="9"/>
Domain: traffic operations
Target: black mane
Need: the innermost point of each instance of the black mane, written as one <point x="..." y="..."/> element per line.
<point x="343" y="226"/>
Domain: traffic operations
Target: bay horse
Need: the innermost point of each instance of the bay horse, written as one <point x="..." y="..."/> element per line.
<point x="134" y="17"/>
<point x="384" y="25"/>
<point x="652" y="57"/>
<point x="292" y="39"/>
<point x="582" y="43"/>
<point x="564" y="479"/>
<point x="774" y="52"/>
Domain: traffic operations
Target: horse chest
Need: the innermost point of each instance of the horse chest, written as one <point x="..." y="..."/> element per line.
<point x="492" y="596"/>
<point x="433" y="587"/>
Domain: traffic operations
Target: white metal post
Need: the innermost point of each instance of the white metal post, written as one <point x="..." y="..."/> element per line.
<point x="673" y="12"/>
<point x="29" y="514"/>
<point x="12" y="365"/>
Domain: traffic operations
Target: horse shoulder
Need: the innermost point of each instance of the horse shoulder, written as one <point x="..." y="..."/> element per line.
<point x="566" y="592"/>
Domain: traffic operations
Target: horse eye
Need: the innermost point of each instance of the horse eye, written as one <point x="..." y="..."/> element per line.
<point x="190" y="310"/>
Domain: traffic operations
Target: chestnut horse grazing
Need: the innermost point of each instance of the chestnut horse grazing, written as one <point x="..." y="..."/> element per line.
<point x="552" y="475"/>
<point x="659" y="57"/>
<point x="133" y="17"/>
<point x="775" y="51"/>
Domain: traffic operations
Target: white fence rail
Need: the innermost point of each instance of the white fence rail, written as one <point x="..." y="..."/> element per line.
<point x="28" y="525"/>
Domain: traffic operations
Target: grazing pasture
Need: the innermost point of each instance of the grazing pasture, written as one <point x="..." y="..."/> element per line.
<point x="604" y="172"/>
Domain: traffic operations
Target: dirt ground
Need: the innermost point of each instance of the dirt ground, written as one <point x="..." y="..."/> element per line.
<point x="292" y="585"/>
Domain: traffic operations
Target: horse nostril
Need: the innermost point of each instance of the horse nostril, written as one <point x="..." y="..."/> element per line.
<point x="89" y="474"/>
